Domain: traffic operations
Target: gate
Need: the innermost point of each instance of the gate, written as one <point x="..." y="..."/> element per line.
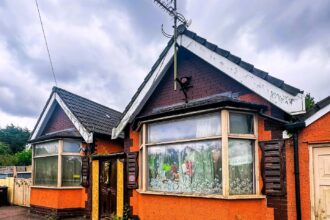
<point x="21" y="190"/>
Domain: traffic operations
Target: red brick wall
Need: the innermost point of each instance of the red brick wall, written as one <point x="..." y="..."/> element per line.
<point x="317" y="132"/>
<point x="206" y="81"/>
<point x="58" y="121"/>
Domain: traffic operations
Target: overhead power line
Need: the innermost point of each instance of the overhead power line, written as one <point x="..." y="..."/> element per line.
<point x="43" y="31"/>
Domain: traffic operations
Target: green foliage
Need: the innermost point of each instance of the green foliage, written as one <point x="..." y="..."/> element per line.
<point x="24" y="158"/>
<point x="4" y="149"/>
<point x="8" y="160"/>
<point x="12" y="146"/>
<point x="14" y="137"/>
<point x="309" y="102"/>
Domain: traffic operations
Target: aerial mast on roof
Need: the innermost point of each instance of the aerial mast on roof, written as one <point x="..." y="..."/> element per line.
<point x="170" y="7"/>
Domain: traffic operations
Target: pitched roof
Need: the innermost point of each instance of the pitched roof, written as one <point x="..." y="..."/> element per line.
<point x="320" y="108"/>
<point x="68" y="133"/>
<point x="289" y="95"/>
<point x="88" y="116"/>
<point x="93" y="116"/>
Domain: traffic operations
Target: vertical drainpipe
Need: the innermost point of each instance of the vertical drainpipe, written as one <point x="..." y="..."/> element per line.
<point x="296" y="173"/>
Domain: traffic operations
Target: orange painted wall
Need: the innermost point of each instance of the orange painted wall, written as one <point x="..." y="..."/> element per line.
<point x="105" y="146"/>
<point x="173" y="207"/>
<point x="317" y="132"/>
<point x="71" y="198"/>
<point x="58" y="198"/>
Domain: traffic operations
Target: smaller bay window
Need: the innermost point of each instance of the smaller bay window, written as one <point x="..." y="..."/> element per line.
<point x="57" y="163"/>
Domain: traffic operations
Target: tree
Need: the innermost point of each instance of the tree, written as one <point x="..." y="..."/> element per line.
<point x="4" y="149"/>
<point x="23" y="158"/>
<point x="309" y="102"/>
<point x="8" y="160"/>
<point x="14" y="137"/>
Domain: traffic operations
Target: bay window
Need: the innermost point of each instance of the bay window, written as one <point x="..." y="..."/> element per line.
<point x="57" y="163"/>
<point x="207" y="154"/>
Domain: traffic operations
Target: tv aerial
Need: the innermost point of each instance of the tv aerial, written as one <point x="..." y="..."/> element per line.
<point x="169" y="6"/>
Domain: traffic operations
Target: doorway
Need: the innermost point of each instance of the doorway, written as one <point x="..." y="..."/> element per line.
<point x="321" y="181"/>
<point x="107" y="188"/>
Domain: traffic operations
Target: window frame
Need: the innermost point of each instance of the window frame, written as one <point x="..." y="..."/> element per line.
<point x="223" y="138"/>
<point x="60" y="153"/>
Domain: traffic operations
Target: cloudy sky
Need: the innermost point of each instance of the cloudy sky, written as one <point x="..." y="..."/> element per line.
<point x="103" y="49"/>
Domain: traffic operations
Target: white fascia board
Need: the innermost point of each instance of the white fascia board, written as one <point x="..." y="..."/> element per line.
<point x="285" y="101"/>
<point x="154" y="77"/>
<point x="317" y="115"/>
<point x="87" y="136"/>
<point x="44" y="117"/>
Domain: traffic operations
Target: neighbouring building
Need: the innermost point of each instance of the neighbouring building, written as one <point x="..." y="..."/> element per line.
<point x="217" y="147"/>
<point x="70" y="133"/>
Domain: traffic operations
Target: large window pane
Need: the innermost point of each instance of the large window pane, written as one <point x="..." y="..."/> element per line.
<point x="46" y="148"/>
<point x="241" y="123"/>
<point x="187" y="128"/>
<point x="71" y="146"/>
<point x="71" y="170"/>
<point x="241" y="163"/>
<point x="186" y="168"/>
<point x="45" y="171"/>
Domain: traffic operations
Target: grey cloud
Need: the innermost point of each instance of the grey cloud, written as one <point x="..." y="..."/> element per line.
<point x="103" y="49"/>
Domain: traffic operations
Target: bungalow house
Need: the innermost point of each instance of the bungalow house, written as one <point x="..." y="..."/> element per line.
<point x="69" y="132"/>
<point x="211" y="149"/>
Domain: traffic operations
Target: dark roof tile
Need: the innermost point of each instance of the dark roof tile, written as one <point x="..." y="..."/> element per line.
<point x="234" y="58"/>
<point x="275" y="81"/>
<point x="246" y="66"/>
<point x="93" y="116"/>
<point x="222" y="52"/>
<point x="259" y="73"/>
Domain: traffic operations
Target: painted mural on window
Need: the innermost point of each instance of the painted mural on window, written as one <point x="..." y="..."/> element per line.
<point x="193" y="167"/>
<point x="241" y="163"/>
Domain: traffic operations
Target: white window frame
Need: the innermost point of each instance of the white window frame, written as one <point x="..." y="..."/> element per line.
<point x="59" y="155"/>
<point x="224" y="138"/>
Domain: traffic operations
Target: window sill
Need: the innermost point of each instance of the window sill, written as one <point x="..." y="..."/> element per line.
<point x="233" y="197"/>
<point x="55" y="187"/>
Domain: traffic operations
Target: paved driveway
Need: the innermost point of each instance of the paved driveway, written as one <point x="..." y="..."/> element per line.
<point x="17" y="213"/>
<point x="21" y="213"/>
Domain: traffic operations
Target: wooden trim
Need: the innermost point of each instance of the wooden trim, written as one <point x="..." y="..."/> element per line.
<point x="32" y="165"/>
<point x="120" y="189"/>
<point x="95" y="189"/>
<point x="43" y="156"/>
<point x="184" y="141"/>
<point x="59" y="165"/>
<point x="214" y="196"/>
<point x="70" y="154"/>
<point x="224" y="150"/>
<point x="55" y="187"/>
<point x="256" y="156"/>
<point x="144" y="160"/>
<point x="311" y="180"/>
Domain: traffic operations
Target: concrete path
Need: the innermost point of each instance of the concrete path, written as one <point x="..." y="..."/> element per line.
<point x="22" y="213"/>
<point x="17" y="213"/>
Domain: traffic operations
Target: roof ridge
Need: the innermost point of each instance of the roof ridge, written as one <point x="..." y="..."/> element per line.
<point x="55" y="89"/>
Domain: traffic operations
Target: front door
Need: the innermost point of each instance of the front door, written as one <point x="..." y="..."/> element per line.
<point x="321" y="163"/>
<point x="108" y="186"/>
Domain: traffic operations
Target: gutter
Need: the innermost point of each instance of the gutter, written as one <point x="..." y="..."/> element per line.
<point x="296" y="128"/>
